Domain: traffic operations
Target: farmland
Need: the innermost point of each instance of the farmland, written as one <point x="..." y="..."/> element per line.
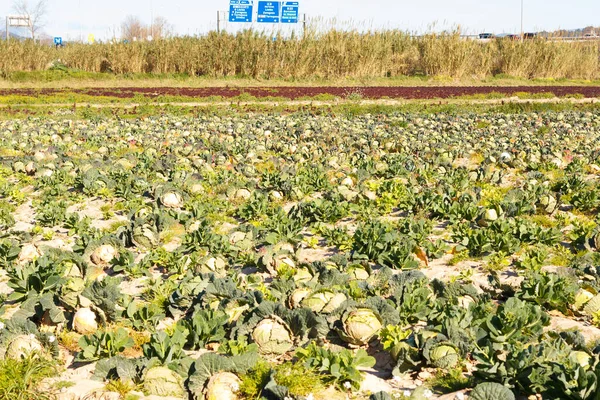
<point x="337" y="215"/>
<point x="301" y="254"/>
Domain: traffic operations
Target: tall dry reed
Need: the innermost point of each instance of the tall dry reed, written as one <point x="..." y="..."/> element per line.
<point x="331" y="54"/>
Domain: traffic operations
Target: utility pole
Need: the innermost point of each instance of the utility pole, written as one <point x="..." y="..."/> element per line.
<point x="7" y="34"/>
<point x="151" y="20"/>
<point x="304" y="25"/>
<point x="522" y="32"/>
<point x="80" y="30"/>
<point x="218" y="22"/>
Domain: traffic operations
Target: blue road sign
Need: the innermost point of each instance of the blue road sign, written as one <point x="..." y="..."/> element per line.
<point x="58" y="41"/>
<point x="269" y="11"/>
<point x="240" y="10"/>
<point x="289" y="12"/>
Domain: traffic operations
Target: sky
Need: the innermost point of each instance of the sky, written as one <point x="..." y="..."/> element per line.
<point x="67" y="18"/>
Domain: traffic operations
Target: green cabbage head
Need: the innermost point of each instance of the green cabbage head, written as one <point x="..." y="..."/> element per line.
<point x="444" y="356"/>
<point x="223" y="386"/>
<point x="361" y="325"/>
<point x="22" y="346"/>
<point x="161" y="381"/>
<point x="273" y="336"/>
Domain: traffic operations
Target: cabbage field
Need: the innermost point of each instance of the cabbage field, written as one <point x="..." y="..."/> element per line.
<point x="297" y="256"/>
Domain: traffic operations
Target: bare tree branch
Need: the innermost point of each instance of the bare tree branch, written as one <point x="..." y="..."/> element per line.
<point x="35" y="11"/>
<point x="161" y="28"/>
<point x="133" y="27"/>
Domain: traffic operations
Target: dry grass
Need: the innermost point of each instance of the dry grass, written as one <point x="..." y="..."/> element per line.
<point x="329" y="55"/>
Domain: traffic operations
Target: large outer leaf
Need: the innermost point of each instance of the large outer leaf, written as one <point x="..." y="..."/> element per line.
<point x="206" y="365"/>
<point x="209" y="364"/>
<point x="105" y="295"/>
<point x="491" y="391"/>
<point x="380" y="396"/>
<point x="125" y="369"/>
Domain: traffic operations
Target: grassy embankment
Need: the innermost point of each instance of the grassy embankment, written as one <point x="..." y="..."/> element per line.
<point x="346" y="108"/>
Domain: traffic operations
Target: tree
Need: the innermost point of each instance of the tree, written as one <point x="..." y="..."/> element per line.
<point x="133" y="27"/>
<point x="35" y="11"/>
<point x="160" y="28"/>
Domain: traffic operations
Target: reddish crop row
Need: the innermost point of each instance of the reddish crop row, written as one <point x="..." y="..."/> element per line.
<point x="372" y="92"/>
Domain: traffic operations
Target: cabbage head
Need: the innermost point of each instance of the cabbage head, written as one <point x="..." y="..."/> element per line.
<point x="223" y="386"/>
<point x="592" y="306"/>
<point x="581" y="358"/>
<point x="273" y="336"/>
<point x="145" y="236"/>
<point x="171" y="200"/>
<point x="161" y="381"/>
<point x="361" y="325"/>
<point x="22" y="346"/>
<point x="84" y="321"/>
<point x="297" y="296"/>
<point x="324" y="301"/>
<point x="444" y="356"/>
<point x="441" y="353"/>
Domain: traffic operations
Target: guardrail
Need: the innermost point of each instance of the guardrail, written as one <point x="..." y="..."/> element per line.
<point x="550" y="38"/>
<point x="554" y="39"/>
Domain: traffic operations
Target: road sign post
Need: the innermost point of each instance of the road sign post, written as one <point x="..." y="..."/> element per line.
<point x="16" y="20"/>
<point x="241" y="10"/>
<point x="269" y="12"/>
<point x="58" y="41"/>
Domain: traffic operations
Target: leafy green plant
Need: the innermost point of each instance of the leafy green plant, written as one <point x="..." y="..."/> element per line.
<point x="448" y="381"/>
<point x="127" y="371"/>
<point x="497" y="262"/>
<point x="515" y="321"/>
<point x="106" y="296"/>
<point x="104" y="344"/>
<point x="379" y="243"/>
<point x="533" y="259"/>
<point x="337" y="236"/>
<point x="165" y="348"/>
<point x="587" y="199"/>
<point x="143" y="316"/>
<point x="52" y="214"/>
<point x="281" y="228"/>
<point x="9" y="252"/>
<point x="205" y="326"/>
<point x="6" y="215"/>
<point x="255" y="207"/>
<point x="205" y="239"/>
<point x="237" y="347"/>
<point x="551" y="291"/>
<point x="338" y="367"/>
